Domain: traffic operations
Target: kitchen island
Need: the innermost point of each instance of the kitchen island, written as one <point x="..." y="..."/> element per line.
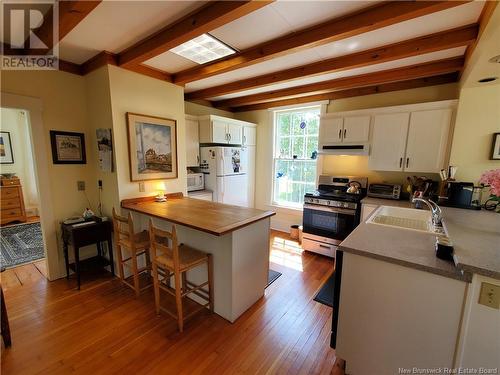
<point x="237" y="238"/>
<point x="400" y="307"/>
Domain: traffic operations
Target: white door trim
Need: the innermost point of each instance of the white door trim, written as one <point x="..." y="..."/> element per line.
<point x="48" y="223"/>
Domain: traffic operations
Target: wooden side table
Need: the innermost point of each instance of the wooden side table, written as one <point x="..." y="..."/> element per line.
<point x="83" y="235"/>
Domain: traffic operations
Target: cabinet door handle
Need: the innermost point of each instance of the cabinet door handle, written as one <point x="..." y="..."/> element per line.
<point x="229" y="137"/>
<point x="400" y="162"/>
<point x="345" y="132"/>
<point x="407" y="162"/>
<point x="244" y="139"/>
<point x="340" y="133"/>
<point x="198" y="158"/>
<point x="325" y="246"/>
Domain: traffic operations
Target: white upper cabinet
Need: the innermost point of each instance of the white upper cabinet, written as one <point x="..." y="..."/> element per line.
<point x="356" y="129"/>
<point x="221" y="130"/>
<point x="249" y="136"/>
<point x="192" y="142"/>
<point x="330" y="130"/>
<point x="235" y="134"/>
<point x="352" y="129"/>
<point x="412" y="141"/>
<point x="427" y="140"/>
<point x="388" y="141"/>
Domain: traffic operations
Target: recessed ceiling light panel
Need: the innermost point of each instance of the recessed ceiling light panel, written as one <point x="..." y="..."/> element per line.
<point x="488" y="79"/>
<point x="203" y="49"/>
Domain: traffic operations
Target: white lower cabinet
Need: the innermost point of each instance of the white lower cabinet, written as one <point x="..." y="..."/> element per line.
<point x="393" y="317"/>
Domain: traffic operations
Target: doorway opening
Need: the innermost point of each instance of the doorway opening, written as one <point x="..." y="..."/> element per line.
<point x="22" y="249"/>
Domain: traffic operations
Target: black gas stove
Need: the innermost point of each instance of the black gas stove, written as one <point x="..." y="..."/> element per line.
<point x="334" y="189"/>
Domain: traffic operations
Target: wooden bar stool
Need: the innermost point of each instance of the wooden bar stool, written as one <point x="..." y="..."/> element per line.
<point x="176" y="260"/>
<point x="137" y="244"/>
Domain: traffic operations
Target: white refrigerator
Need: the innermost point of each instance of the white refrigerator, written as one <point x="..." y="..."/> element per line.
<point x="226" y="174"/>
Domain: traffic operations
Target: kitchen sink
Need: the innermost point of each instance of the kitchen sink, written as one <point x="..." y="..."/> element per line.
<point x="405" y="218"/>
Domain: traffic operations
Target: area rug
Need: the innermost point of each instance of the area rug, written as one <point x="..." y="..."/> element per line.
<point x="272" y="276"/>
<point x="20" y="244"/>
<point x="325" y="294"/>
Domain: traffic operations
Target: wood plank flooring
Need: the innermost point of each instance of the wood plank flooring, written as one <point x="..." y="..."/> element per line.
<point x="104" y="329"/>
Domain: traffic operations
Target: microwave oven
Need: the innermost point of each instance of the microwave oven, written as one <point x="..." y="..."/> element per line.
<point x="195" y="181"/>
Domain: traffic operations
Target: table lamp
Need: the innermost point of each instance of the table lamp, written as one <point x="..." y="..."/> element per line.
<point x="160" y="187"/>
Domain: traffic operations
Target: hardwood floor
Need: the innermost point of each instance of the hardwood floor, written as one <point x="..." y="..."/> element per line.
<point x="104" y="329"/>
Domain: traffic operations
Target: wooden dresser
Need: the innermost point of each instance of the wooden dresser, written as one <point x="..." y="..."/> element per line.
<point x="11" y="201"/>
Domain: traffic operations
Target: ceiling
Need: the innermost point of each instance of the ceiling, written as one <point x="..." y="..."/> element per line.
<point x="115" y="26"/>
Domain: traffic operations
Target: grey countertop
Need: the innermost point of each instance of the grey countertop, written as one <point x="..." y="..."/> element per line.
<point x="475" y="235"/>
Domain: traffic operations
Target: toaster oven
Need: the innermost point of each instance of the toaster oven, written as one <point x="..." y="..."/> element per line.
<point x="387" y="191"/>
<point x="195" y="181"/>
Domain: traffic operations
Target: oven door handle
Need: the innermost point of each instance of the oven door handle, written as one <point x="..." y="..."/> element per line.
<point x="329" y="209"/>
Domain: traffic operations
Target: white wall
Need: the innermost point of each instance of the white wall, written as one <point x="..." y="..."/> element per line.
<point x="132" y="92"/>
<point x="478" y="117"/>
<point x="15" y="122"/>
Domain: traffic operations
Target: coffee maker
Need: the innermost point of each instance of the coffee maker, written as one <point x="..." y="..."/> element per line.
<point x="461" y="195"/>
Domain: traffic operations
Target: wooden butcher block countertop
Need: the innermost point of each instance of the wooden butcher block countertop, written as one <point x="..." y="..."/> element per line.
<point x="214" y="218"/>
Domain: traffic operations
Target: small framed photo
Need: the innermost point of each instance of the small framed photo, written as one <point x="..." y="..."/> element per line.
<point x="6" y="155"/>
<point x="68" y="147"/>
<point x="495" y="147"/>
<point x="152" y="143"/>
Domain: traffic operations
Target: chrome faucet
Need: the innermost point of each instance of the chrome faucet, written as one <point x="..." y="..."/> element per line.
<point x="436" y="213"/>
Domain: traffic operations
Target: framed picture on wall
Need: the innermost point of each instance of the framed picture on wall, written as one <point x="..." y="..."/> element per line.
<point x="152" y="145"/>
<point x="495" y="147"/>
<point x="67" y="147"/>
<point x="6" y="154"/>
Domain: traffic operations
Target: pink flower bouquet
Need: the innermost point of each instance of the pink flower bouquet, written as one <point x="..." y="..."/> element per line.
<point x="492" y="179"/>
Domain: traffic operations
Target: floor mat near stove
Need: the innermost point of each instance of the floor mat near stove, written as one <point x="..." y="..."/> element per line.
<point x="325" y="294"/>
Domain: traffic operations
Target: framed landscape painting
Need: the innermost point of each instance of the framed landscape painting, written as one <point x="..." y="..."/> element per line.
<point x="152" y="147"/>
<point x="67" y="147"/>
<point x="6" y="155"/>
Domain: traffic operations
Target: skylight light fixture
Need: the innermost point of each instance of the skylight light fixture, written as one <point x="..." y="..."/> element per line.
<point x="203" y="49"/>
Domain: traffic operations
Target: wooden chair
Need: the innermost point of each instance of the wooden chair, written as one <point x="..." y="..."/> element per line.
<point x="137" y="243"/>
<point x="176" y="260"/>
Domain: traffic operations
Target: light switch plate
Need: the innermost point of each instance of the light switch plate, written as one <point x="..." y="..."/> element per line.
<point x="80" y="185"/>
<point x="490" y="295"/>
<point x="142" y="188"/>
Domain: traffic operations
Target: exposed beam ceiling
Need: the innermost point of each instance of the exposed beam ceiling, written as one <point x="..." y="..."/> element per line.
<point x="429" y="69"/>
<point x="108" y="58"/>
<point x="209" y="17"/>
<point x="366" y="20"/>
<point x="430" y="43"/>
<point x="484" y="18"/>
<point x="396" y="86"/>
<point x="71" y="13"/>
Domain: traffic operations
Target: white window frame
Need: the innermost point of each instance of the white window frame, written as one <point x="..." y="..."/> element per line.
<point x="273" y="116"/>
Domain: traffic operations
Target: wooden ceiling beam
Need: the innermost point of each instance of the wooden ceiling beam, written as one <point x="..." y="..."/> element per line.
<point x="430" y="43"/>
<point x="429" y="69"/>
<point x="395" y="86"/>
<point x="71" y="13"/>
<point x="208" y="18"/>
<point x="369" y="19"/>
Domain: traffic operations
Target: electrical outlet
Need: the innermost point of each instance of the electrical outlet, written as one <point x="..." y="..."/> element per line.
<point x="99" y="184"/>
<point x="490" y="295"/>
<point x="80" y="185"/>
<point x="142" y="188"/>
